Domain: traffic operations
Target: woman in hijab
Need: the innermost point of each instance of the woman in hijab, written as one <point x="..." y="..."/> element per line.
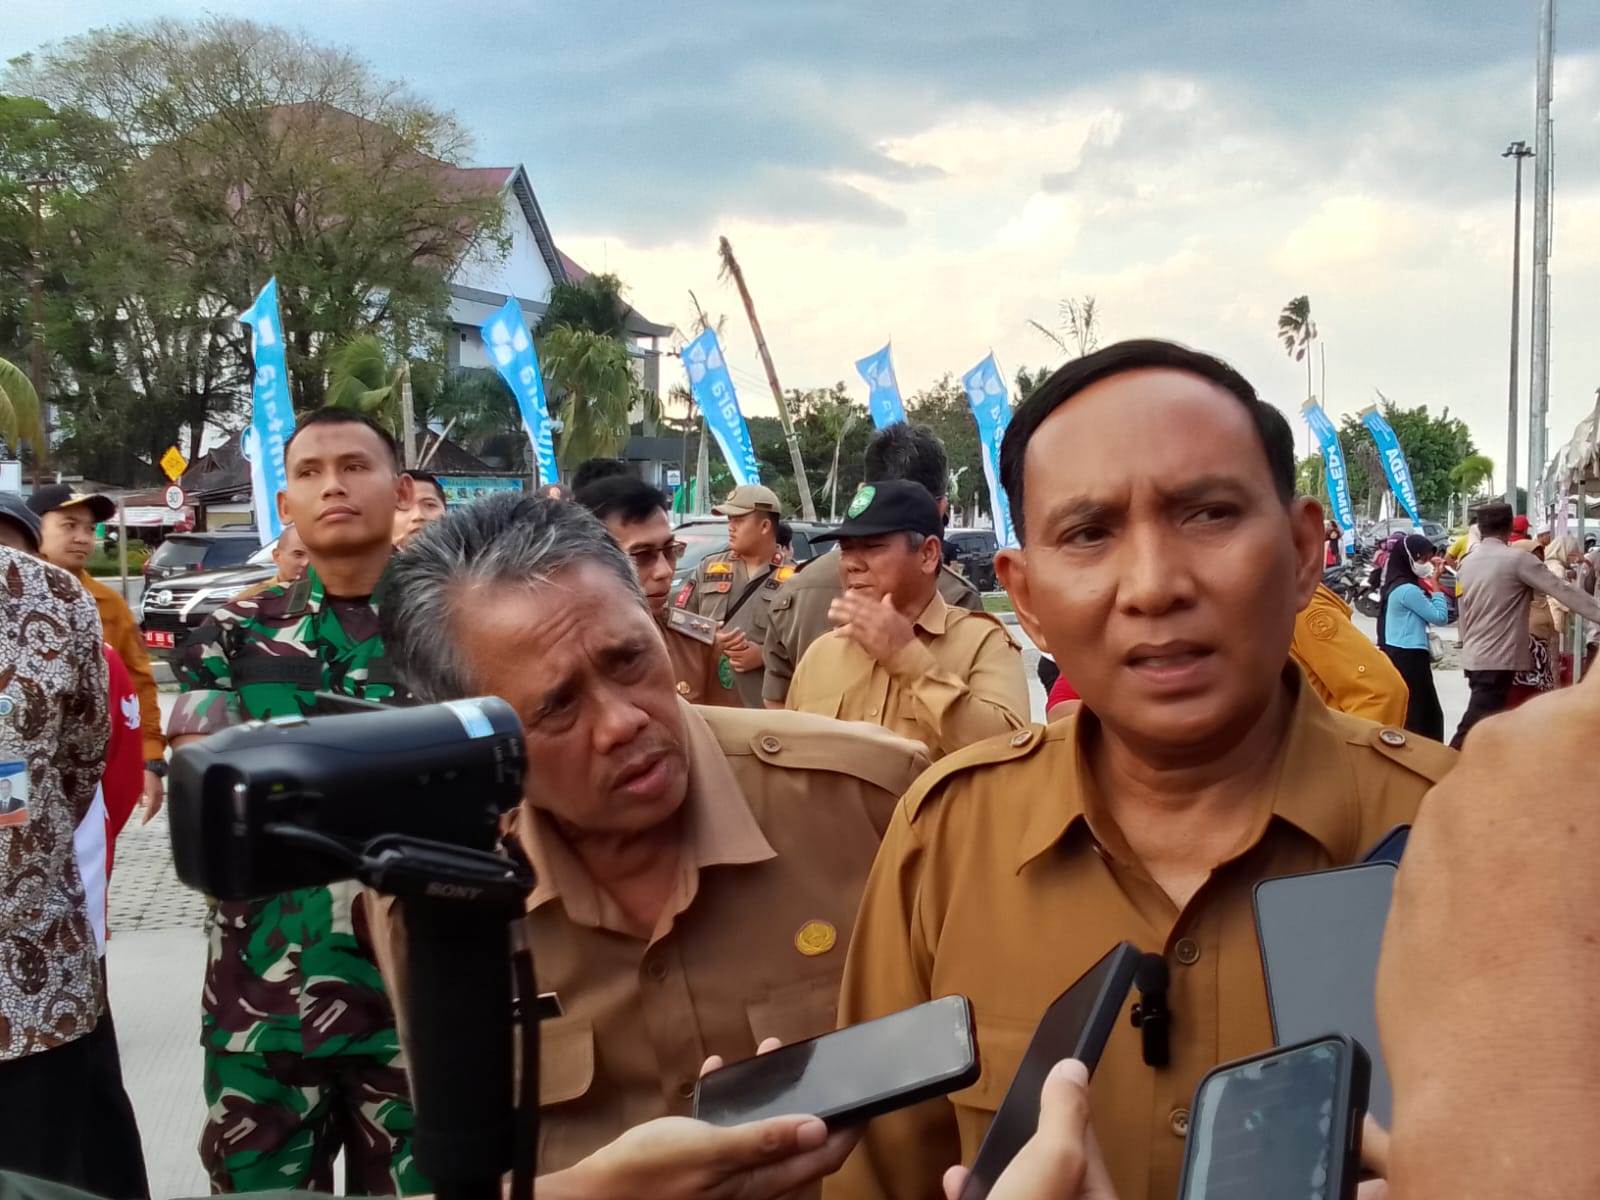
<point x="1405" y="610"/>
<point x="1563" y="557"/>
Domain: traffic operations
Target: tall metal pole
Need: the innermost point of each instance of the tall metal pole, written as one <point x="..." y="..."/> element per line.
<point x="1517" y="151"/>
<point x="1539" y="333"/>
<point x="36" y="288"/>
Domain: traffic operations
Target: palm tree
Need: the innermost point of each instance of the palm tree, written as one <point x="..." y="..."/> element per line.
<point x="1298" y="333"/>
<point x="1469" y="475"/>
<point x="1080" y="322"/>
<point x="730" y="270"/>
<point x="19" y="406"/>
<point x="590" y="376"/>
<point x="360" y="377"/>
<point x="594" y="303"/>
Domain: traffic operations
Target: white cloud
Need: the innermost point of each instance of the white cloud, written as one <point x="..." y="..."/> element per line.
<point x="1191" y="213"/>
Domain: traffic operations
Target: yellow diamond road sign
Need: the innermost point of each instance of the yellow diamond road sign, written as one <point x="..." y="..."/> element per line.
<point x="173" y="463"/>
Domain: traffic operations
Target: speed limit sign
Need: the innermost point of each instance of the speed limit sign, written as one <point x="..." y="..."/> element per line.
<point x="175" y="497"/>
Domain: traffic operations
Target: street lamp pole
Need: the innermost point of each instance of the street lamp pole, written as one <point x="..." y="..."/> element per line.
<point x="1539" y="310"/>
<point x="1517" y="151"/>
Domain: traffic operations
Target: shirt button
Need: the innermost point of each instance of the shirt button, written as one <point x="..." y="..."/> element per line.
<point x="1392" y="737"/>
<point x="771" y="744"/>
<point x="686" y="1089"/>
<point x="872" y="712"/>
<point x="656" y="969"/>
<point x="1022" y="738"/>
<point x="1187" y="951"/>
<point x="1178" y="1121"/>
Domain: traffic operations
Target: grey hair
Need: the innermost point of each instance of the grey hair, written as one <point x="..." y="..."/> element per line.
<point x="507" y="539"/>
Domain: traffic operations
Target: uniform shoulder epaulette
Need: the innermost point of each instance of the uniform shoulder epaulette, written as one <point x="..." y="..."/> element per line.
<point x="692" y="625"/>
<point x="1420" y="755"/>
<point x="797" y="741"/>
<point x="1002" y="748"/>
<point x="968" y="614"/>
<point x="720" y="563"/>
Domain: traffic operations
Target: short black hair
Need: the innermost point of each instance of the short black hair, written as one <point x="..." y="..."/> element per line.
<point x="428" y="478"/>
<point x="592" y="470"/>
<point x="1494" y="519"/>
<point x="344" y="416"/>
<point x="902" y="451"/>
<point x="622" y="496"/>
<point x="1277" y="440"/>
<point x="785" y="534"/>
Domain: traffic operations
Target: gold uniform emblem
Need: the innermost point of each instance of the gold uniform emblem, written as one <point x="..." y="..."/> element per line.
<point x="684" y="687"/>
<point x="815" y="937"/>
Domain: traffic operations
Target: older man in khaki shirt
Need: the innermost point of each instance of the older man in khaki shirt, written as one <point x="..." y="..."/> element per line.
<point x="899" y="656"/>
<point x="698" y="869"/>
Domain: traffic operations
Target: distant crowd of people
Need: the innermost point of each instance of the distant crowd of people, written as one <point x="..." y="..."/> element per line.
<point x="772" y="797"/>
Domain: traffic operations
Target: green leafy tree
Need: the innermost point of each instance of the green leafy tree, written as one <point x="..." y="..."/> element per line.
<point x="361" y="377"/>
<point x="1027" y="381"/>
<point x="240" y="152"/>
<point x="594" y="303"/>
<point x="944" y="409"/>
<point x="1433" y="445"/>
<point x="19" y="405"/>
<point x="591" y="380"/>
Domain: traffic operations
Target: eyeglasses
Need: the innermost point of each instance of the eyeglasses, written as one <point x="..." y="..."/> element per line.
<point x="644" y="559"/>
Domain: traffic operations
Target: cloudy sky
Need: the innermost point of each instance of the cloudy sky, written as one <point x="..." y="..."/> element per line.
<point x="939" y="173"/>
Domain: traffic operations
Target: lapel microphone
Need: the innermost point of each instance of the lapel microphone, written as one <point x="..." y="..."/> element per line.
<point x="1151" y="1016"/>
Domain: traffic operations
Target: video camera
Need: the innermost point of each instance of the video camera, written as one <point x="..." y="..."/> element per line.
<point x="409" y="801"/>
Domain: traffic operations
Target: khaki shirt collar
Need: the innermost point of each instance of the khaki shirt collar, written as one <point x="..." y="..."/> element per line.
<point x="935" y="617"/>
<point x="1313" y="790"/>
<point x="719" y="830"/>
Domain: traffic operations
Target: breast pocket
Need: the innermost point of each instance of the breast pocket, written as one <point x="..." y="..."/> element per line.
<point x="566" y="1060"/>
<point x="1001" y="1046"/>
<point x="796" y="1012"/>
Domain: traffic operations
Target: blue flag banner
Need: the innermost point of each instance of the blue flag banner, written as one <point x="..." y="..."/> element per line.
<point x="1394" y="460"/>
<point x="1333" y="466"/>
<point x="883" y="396"/>
<point x="506" y="338"/>
<point x="713" y="392"/>
<point x="271" y="411"/>
<point x="991" y="408"/>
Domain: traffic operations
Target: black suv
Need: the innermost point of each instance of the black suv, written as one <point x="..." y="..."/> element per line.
<point x="183" y="553"/>
<point x="169" y="609"/>
<point x="972" y="551"/>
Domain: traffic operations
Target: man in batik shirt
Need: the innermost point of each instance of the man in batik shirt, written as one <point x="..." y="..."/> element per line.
<point x="302" y="1059"/>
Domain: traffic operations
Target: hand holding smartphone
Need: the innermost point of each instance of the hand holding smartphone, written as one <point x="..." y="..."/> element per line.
<point x="1284" y="1125"/>
<point x="851" y="1075"/>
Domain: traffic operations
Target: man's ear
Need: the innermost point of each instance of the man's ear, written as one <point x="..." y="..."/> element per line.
<point x="931" y="557"/>
<point x="405" y="491"/>
<point x="283" y="508"/>
<point x="1011" y="566"/>
<point x="1307" y="523"/>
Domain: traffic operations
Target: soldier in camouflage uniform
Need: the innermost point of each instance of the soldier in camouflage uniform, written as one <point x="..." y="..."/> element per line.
<point x="302" y="1057"/>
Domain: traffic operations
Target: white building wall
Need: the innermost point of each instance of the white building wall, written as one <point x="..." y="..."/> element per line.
<point x="521" y="272"/>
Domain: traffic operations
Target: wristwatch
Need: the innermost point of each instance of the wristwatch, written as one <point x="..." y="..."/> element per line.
<point x="156" y="767"/>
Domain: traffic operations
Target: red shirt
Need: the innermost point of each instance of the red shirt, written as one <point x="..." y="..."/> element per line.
<point x="123" y="781"/>
<point x="1060" y="694"/>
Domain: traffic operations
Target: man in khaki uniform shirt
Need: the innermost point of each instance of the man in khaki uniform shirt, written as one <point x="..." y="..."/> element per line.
<point x="735" y="588"/>
<point x="698" y="869"/>
<point x="899" y="656"/>
<point x="800" y="606"/>
<point x="1164" y="557"/>
<point x="636" y="516"/>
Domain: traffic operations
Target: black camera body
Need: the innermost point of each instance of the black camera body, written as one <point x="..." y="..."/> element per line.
<point x="442" y="773"/>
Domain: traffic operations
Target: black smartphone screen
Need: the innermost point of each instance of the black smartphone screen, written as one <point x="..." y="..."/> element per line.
<point x="852" y="1073"/>
<point x="1279" y="1125"/>
<point x="1076" y="1025"/>
<point x="1320" y="939"/>
<point x="1390" y="848"/>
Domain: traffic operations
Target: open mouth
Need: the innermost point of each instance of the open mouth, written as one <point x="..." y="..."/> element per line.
<point x="1170" y="663"/>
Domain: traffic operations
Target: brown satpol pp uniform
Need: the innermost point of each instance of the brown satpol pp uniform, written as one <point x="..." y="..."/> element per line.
<point x="1003" y="879"/>
<point x="781" y="825"/>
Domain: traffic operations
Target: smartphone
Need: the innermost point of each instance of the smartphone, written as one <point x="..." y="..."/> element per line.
<point x="1391" y="847"/>
<point x="851" y="1075"/>
<point x="1077" y="1024"/>
<point x="1320" y="938"/>
<point x="1285" y="1124"/>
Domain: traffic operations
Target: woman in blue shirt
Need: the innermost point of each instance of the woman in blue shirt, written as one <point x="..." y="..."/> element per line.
<point x="1404" y="614"/>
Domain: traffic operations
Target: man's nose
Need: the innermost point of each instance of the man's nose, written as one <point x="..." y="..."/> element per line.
<point x="1153" y="577"/>
<point x="620" y="720"/>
